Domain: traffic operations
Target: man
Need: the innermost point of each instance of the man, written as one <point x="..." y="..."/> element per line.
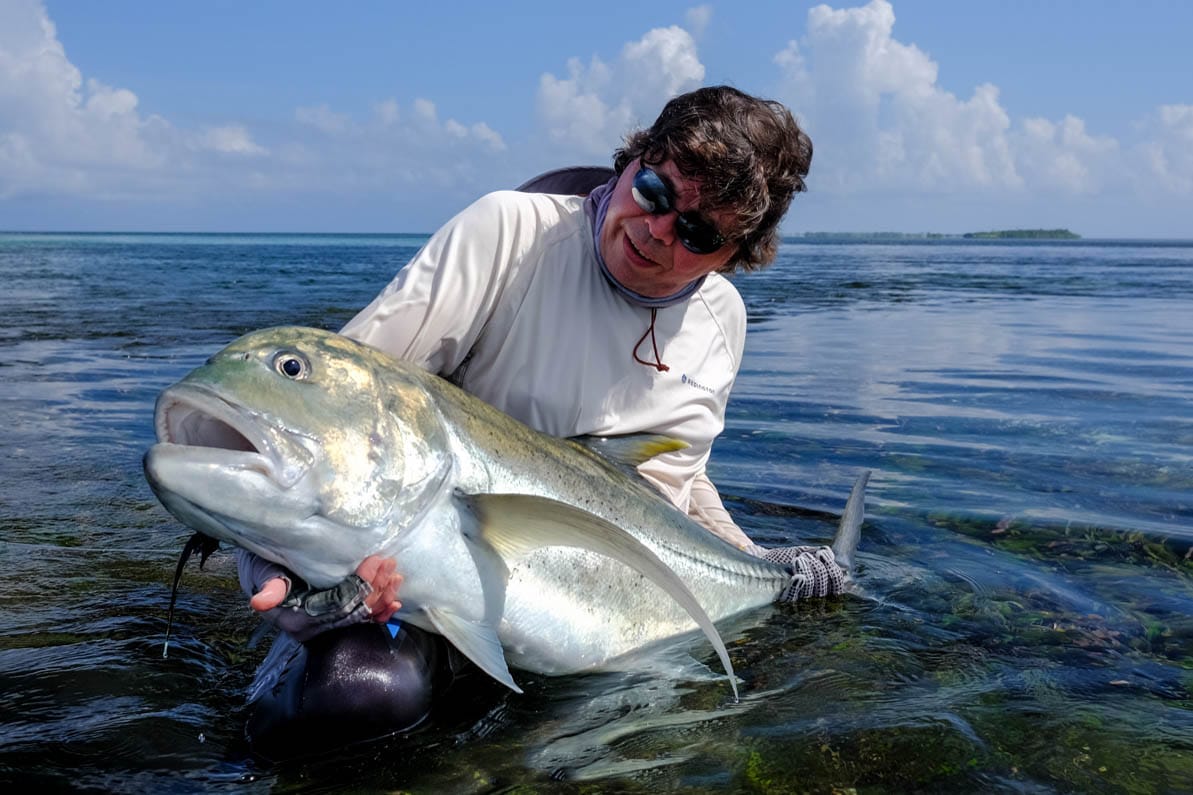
<point x="601" y="314"/>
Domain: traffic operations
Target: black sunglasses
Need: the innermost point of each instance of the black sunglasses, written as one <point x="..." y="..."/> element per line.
<point x="655" y="196"/>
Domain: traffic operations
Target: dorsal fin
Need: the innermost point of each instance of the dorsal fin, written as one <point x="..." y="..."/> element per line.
<point x="631" y="449"/>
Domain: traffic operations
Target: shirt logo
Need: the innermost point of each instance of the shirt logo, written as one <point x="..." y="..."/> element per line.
<point x="686" y="379"/>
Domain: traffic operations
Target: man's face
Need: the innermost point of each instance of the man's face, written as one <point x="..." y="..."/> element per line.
<point x="642" y="251"/>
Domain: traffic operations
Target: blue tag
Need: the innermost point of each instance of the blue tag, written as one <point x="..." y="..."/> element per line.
<point x="393" y="625"/>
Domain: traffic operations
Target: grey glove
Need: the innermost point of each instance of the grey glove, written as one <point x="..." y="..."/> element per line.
<point x="814" y="571"/>
<point x="306" y="611"/>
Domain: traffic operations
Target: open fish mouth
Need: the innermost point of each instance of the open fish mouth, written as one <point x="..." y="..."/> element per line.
<point x="220" y="432"/>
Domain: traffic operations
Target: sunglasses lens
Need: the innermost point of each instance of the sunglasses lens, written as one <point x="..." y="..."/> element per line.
<point x="697" y="235"/>
<point x="654" y="196"/>
<point x="651" y="193"/>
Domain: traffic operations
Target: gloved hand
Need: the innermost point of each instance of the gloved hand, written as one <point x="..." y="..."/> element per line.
<point x="814" y="571"/>
<point x="369" y="594"/>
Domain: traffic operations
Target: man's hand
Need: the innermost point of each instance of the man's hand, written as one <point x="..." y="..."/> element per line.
<point x="270" y="596"/>
<point x="381" y="573"/>
<point x="378" y="572"/>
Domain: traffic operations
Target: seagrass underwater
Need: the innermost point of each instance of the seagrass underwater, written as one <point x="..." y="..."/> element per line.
<point x="1027" y="615"/>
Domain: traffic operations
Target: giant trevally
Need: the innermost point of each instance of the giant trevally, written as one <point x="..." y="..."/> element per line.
<point x="315" y="451"/>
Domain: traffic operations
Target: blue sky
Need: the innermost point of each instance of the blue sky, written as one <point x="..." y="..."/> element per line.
<point x="391" y="116"/>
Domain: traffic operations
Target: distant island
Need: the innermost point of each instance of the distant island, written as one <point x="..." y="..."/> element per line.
<point x="999" y="234"/>
<point x="864" y="236"/>
<point x="1024" y="234"/>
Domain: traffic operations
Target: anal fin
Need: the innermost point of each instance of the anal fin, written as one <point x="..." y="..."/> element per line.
<point x="478" y="642"/>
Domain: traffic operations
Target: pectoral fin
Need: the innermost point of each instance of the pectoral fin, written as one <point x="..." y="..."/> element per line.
<point x="478" y="642"/>
<point x="513" y="524"/>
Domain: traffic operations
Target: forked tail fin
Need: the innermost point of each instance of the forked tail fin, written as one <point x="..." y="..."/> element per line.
<point x="850" y="528"/>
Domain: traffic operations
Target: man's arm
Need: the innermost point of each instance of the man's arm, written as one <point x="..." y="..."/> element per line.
<point x="707" y="509"/>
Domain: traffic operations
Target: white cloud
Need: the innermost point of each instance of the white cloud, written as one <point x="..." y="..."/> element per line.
<point x="483" y="132"/>
<point x="881" y="122"/>
<point x="424" y="109"/>
<point x="589" y="111"/>
<point x="425" y="122"/>
<point x="574" y="112"/>
<point x="386" y="151"/>
<point x="696" y="20"/>
<point x="386" y="112"/>
<point x="1165" y="157"/>
<point x="59" y="130"/>
<point x="63" y="135"/>
<point x="658" y="66"/>
<point x="322" y="118"/>
<point x="1064" y="156"/>
<point x="895" y="149"/>
<point x="109" y="103"/>
<point x="231" y="139"/>
<point x="877" y="116"/>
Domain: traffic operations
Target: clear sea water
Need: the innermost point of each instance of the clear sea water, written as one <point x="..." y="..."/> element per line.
<point x="1025" y="621"/>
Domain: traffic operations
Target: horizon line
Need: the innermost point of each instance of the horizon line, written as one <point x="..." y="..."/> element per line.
<point x="785" y="237"/>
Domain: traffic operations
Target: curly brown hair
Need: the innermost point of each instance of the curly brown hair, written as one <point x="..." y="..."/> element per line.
<point x="748" y="154"/>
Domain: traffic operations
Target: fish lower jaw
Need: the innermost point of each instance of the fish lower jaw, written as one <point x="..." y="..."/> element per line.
<point x="287" y="546"/>
<point x="175" y="463"/>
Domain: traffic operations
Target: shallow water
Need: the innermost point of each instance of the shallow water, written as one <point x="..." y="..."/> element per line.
<point x="1025" y="620"/>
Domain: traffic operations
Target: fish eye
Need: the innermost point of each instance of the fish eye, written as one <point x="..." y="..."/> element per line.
<point x="292" y="365"/>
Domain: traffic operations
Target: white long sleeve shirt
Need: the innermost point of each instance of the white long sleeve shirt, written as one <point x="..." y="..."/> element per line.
<point x="507" y="300"/>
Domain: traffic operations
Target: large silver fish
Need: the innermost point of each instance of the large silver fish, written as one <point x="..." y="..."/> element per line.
<point x="315" y="451"/>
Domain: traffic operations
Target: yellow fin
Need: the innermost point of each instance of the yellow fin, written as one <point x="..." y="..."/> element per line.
<point x="631" y="449"/>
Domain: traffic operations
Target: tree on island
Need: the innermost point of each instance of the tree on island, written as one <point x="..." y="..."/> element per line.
<point x="999" y="234"/>
<point x="1024" y="234"/>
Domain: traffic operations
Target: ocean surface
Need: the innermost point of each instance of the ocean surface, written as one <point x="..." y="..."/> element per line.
<point x="1024" y="613"/>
